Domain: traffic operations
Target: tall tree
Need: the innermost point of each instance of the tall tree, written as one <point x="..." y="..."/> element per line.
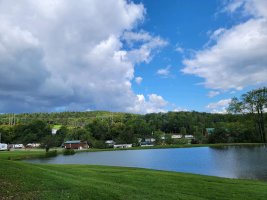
<point x="253" y="103"/>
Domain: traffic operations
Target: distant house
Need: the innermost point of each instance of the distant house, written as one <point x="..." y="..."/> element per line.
<point x="189" y="137"/>
<point x="209" y="131"/>
<point x="16" y="146"/>
<point x="3" y="147"/>
<point x="139" y="140"/>
<point x="110" y="143"/>
<point x="146" y="144"/>
<point x="33" y="145"/>
<point x="55" y="129"/>
<point x="176" y="136"/>
<point x="151" y="140"/>
<point x="76" y="144"/>
<point x="123" y="146"/>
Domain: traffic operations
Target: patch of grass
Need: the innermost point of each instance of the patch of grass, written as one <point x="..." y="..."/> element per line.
<point x="20" y="180"/>
<point x="57" y="126"/>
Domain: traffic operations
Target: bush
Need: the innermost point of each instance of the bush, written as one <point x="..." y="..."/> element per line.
<point x="67" y="152"/>
<point x="180" y="141"/>
<point x="51" y="153"/>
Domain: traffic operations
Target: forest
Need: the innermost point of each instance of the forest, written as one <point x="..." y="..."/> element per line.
<point x="244" y="122"/>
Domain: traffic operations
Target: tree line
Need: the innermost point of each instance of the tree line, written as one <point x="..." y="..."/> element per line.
<point x="245" y="122"/>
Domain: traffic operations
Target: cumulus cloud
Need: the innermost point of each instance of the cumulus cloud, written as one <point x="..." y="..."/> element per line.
<point x="68" y="55"/>
<point x="179" y="49"/>
<point x="153" y="104"/>
<point x="219" y="107"/>
<point x="138" y="80"/>
<point x="256" y="8"/>
<point x="164" y="72"/>
<point x="144" y="45"/>
<point x="238" y="57"/>
<point x="213" y="93"/>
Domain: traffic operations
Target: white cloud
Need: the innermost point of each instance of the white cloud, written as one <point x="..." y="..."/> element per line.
<point x="179" y="49"/>
<point x="179" y="109"/>
<point x="219" y="107"/>
<point x="154" y="104"/>
<point x="165" y="72"/>
<point x="257" y="8"/>
<point x="58" y="54"/>
<point x="147" y="45"/>
<point x="131" y="37"/>
<point x="239" y="56"/>
<point x="138" y="80"/>
<point x="213" y="93"/>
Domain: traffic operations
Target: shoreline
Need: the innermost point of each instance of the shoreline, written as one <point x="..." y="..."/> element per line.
<point x="21" y="154"/>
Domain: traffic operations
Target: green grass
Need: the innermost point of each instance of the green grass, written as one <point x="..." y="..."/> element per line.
<point x="20" y="180"/>
<point x="57" y="126"/>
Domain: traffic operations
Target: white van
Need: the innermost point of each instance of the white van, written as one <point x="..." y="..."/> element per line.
<point x="3" y="147"/>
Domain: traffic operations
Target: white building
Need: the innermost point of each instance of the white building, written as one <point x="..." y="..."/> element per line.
<point x="54" y="131"/>
<point x="3" y="147"/>
<point x="189" y="137"/>
<point x="16" y="146"/>
<point x="123" y="146"/>
<point x="110" y="143"/>
<point x="33" y="145"/>
<point x="177" y="136"/>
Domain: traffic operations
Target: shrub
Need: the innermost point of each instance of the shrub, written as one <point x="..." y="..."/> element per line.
<point x="51" y="153"/>
<point x="67" y="152"/>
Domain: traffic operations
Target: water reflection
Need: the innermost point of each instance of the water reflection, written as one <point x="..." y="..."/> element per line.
<point x="229" y="161"/>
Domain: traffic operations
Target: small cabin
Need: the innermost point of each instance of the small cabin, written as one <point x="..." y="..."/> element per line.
<point x="76" y="144"/>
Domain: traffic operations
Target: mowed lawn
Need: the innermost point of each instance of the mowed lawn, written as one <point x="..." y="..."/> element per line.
<point x="20" y="180"/>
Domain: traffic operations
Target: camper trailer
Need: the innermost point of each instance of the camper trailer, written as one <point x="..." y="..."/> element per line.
<point x="3" y="147"/>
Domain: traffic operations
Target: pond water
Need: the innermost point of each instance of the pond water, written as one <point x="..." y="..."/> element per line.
<point x="231" y="161"/>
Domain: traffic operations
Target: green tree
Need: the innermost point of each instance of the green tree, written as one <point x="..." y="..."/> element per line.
<point x="253" y="103"/>
<point x="158" y="135"/>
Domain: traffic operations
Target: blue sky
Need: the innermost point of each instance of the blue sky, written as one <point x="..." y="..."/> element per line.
<point x="186" y="25"/>
<point x="141" y="56"/>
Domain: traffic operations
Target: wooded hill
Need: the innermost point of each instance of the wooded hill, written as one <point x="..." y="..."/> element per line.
<point x="98" y="126"/>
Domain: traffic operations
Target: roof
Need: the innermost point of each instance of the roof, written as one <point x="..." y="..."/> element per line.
<point x="109" y="141"/>
<point x="73" y="142"/>
<point x="210" y="130"/>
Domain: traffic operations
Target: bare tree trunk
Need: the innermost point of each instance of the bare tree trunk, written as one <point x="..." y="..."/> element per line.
<point x="262" y="126"/>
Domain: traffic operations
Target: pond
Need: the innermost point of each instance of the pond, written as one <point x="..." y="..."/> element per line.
<point x="249" y="162"/>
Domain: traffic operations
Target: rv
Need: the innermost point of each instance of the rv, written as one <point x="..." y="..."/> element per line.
<point x="3" y="147"/>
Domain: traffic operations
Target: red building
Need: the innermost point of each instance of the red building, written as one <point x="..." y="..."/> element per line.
<point x="76" y="144"/>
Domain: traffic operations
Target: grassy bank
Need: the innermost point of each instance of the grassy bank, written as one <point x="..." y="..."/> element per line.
<point x="21" y="180"/>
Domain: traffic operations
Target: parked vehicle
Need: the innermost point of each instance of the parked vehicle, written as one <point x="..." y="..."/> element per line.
<point x="3" y="147"/>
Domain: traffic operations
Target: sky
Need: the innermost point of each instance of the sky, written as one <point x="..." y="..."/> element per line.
<point x="138" y="56"/>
